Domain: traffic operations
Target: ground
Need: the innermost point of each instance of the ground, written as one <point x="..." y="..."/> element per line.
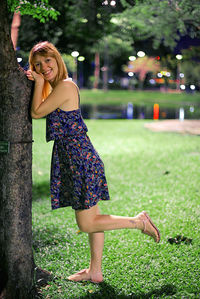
<point x="174" y="125"/>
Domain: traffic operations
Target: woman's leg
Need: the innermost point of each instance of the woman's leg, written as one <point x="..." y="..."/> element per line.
<point x="94" y="273"/>
<point x="92" y="221"/>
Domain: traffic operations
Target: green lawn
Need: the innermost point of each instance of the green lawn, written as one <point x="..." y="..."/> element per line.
<point x="156" y="172"/>
<point x="118" y="97"/>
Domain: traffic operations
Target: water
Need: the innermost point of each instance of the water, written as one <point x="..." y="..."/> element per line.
<point x="132" y="111"/>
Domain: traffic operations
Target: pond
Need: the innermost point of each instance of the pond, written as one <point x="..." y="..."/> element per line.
<point x="132" y="111"/>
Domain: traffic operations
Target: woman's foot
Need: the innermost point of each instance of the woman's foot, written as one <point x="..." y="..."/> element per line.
<point x="85" y="275"/>
<point x="149" y="227"/>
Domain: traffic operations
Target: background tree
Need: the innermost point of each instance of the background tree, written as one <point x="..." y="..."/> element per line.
<point x="113" y="52"/>
<point x="190" y="66"/>
<point x="142" y="66"/>
<point x="16" y="256"/>
<point x="162" y="21"/>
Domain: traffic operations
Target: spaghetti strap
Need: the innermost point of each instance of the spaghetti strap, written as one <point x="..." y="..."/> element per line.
<point x="77" y="92"/>
<point x="79" y="104"/>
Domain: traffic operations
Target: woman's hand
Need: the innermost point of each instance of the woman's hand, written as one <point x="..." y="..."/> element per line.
<point x="33" y="76"/>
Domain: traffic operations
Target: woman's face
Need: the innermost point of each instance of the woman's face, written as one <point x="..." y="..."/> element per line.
<point x="47" y="66"/>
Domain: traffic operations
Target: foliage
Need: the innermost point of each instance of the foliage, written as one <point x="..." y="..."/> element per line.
<point x="190" y="65"/>
<point x="114" y="51"/>
<point x="157" y="172"/>
<point x="79" y="26"/>
<point x="163" y="21"/>
<point x="70" y="63"/>
<point x="38" y="9"/>
<point x="142" y="66"/>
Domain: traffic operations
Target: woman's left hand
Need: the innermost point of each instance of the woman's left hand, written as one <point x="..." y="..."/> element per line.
<point x="33" y="76"/>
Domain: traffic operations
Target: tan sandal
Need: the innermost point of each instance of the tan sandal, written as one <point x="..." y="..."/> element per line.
<point x="149" y="228"/>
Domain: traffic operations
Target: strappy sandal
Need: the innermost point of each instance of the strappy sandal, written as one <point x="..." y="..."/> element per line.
<point x="149" y="228"/>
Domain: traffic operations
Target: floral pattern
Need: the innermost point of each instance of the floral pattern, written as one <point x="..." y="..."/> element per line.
<point x="77" y="172"/>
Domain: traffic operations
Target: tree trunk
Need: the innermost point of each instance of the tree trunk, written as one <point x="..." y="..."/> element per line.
<point x="16" y="256"/>
<point x="96" y="70"/>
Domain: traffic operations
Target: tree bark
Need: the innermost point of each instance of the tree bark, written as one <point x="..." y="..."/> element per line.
<point x="16" y="256"/>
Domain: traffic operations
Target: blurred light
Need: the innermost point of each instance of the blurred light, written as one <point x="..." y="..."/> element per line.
<point x="181" y="114"/>
<point x="83" y="20"/>
<point x="181" y="75"/>
<point x="131" y="74"/>
<point x="192" y="86"/>
<point x="104" y="68"/>
<point x="111" y="81"/>
<point x="113" y="3"/>
<point x="182" y="87"/>
<point x="179" y="56"/>
<point x="159" y="75"/>
<point x="156" y="111"/>
<point x="132" y="58"/>
<point x="19" y="59"/>
<point x="164" y="73"/>
<point x="81" y="58"/>
<point x="157" y="57"/>
<point x="105" y="2"/>
<point x="152" y="81"/>
<point x="75" y="54"/>
<point x="140" y="54"/>
<point x="191" y="109"/>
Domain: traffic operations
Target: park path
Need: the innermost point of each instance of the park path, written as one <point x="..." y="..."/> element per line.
<point x="175" y="125"/>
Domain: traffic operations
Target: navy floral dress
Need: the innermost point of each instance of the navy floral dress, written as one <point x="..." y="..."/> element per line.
<point x="77" y="172"/>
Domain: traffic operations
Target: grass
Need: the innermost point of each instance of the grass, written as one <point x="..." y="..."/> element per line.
<point x="156" y="172"/>
<point x="141" y="98"/>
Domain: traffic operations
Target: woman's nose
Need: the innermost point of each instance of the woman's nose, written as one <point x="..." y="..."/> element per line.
<point x="43" y="67"/>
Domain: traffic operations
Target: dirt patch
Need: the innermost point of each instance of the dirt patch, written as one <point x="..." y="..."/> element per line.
<point x="174" y="125"/>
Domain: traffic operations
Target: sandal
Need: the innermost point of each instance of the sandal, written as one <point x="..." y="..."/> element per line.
<point x="149" y="228"/>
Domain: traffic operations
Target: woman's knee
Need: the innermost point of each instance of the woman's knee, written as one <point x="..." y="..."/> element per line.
<point x="86" y="219"/>
<point x="84" y="226"/>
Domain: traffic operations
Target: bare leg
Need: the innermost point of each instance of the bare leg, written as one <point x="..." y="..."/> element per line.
<point x="94" y="273"/>
<point x="92" y="222"/>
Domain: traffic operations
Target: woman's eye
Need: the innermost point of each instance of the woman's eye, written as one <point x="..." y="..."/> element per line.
<point x="48" y="59"/>
<point x="37" y="64"/>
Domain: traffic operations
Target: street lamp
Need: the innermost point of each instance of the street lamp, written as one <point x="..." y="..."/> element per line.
<point x="132" y="58"/>
<point x="178" y="57"/>
<point x="81" y="79"/>
<point x="140" y="54"/>
<point x="75" y="54"/>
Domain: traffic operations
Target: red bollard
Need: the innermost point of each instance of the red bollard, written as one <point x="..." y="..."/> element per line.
<point x="156" y="111"/>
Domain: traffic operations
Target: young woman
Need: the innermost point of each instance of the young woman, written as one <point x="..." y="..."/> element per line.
<point x="77" y="172"/>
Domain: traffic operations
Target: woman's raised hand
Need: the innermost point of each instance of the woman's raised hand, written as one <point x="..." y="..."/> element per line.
<point x="33" y="76"/>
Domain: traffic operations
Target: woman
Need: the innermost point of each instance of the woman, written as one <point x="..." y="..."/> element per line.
<point x="77" y="172"/>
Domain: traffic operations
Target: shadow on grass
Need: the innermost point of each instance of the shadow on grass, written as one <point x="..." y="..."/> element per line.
<point x="41" y="190"/>
<point x="50" y="236"/>
<point x="106" y="291"/>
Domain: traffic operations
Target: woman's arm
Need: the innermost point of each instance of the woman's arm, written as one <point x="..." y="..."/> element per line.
<point x="60" y="94"/>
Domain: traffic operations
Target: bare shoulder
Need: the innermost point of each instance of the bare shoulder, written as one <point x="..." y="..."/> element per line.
<point x="69" y="85"/>
<point x="69" y="92"/>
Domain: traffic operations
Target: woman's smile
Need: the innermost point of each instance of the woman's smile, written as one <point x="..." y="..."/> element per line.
<point x="47" y="66"/>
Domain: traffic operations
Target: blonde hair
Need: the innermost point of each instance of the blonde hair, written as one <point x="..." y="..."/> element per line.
<point x="48" y="49"/>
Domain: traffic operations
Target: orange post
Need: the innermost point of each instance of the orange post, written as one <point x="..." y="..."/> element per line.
<point x="156" y="111"/>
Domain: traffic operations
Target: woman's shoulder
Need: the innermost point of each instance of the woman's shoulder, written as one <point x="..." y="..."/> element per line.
<point x="68" y="83"/>
<point x="67" y="86"/>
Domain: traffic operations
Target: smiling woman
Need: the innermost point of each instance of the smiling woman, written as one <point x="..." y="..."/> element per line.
<point x="77" y="172"/>
<point x="53" y="89"/>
